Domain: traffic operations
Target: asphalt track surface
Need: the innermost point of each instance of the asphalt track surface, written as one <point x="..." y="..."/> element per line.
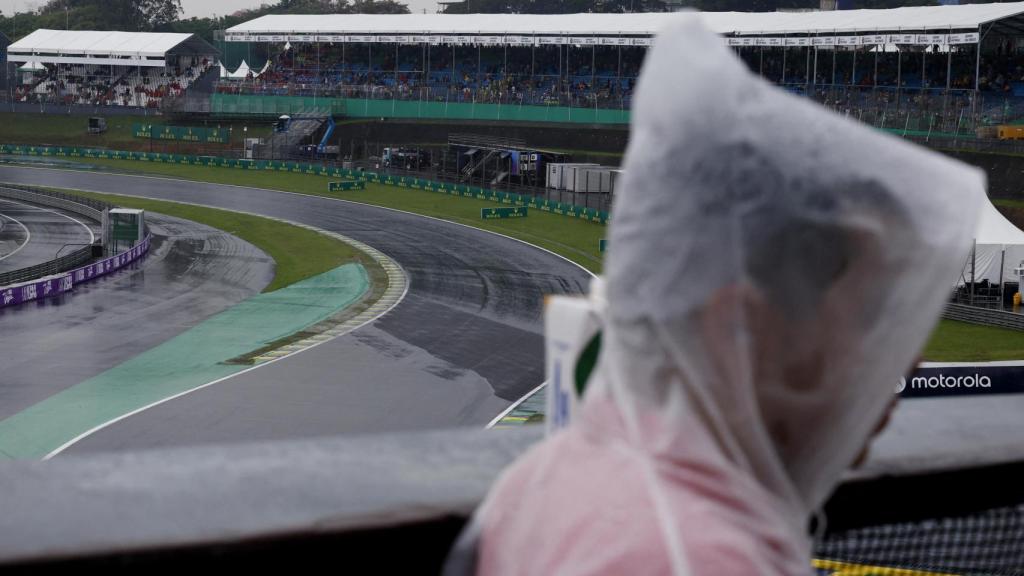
<point x="464" y="343"/>
<point x="33" y="235"/>
<point x="191" y="272"/>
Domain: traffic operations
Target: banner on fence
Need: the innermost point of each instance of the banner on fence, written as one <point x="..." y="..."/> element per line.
<point x="65" y="282"/>
<point x="346" y="185"/>
<point x="492" y="213"/>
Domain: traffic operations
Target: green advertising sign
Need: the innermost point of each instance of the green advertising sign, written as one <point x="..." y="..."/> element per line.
<point x="492" y="213"/>
<point x="346" y="185"/>
<point x="181" y="133"/>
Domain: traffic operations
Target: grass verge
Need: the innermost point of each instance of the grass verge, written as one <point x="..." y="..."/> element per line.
<point x="70" y="130"/>
<point x="962" y="342"/>
<point x="297" y="252"/>
<point x="574" y="239"/>
<point x="577" y="240"/>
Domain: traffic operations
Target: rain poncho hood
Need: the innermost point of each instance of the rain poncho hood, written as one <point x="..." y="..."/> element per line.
<point x="772" y="271"/>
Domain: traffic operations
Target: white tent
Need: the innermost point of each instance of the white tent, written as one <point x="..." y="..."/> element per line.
<point x="305" y="27"/>
<point x="266" y="67"/>
<point x="241" y="73"/>
<point x="999" y="249"/>
<point x="31" y="67"/>
<point x="107" y="48"/>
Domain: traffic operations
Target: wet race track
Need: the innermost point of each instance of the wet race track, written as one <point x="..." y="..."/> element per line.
<point x="191" y="272"/>
<point x="464" y="343"/>
<point x="31" y="235"/>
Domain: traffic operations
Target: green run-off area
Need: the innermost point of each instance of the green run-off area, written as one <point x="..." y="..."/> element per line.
<point x="193" y="358"/>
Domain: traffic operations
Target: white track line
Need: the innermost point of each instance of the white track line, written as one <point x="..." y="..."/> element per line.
<point x="374" y="318"/>
<point x="581" y="267"/>
<point x="92" y="235"/>
<point x="576" y="264"/>
<point x="108" y="423"/>
<point x="28" y="236"/>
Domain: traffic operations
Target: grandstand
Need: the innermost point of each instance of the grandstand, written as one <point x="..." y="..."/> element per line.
<point x="135" y="69"/>
<point x="953" y="67"/>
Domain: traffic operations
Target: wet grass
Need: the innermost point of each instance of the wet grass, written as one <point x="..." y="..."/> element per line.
<point x="298" y="253"/>
<point x="962" y="342"/>
<point x="574" y="239"/>
<point x="70" y="130"/>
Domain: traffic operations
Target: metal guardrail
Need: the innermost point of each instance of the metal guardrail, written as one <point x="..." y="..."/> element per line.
<point x="87" y="207"/>
<point x="64" y="263"/>
<point x="986" y="316"/>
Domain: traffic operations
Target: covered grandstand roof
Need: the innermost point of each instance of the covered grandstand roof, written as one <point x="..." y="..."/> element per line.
<point x="925" y="18"/>
<point x="95" y="47"/>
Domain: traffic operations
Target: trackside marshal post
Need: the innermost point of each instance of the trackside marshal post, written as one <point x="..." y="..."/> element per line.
<point x="492" y="213"/>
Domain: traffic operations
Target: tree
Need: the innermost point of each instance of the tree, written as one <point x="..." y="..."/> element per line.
<point x="378" y="7"/>
<point x="128" y="15"/>
<point x="552" y="6"/>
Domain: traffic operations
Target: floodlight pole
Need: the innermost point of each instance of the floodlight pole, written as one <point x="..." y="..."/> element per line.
<point x="977" y="61"/>
<point x="1002" y="262"/>
<point x="874" y="80"/>
<point x="899" y="76"/>
<point x="974" y="256"/>
<point x="783" y="61"/>
<point x="949" y="63"/>
<point x="814" y="76"/>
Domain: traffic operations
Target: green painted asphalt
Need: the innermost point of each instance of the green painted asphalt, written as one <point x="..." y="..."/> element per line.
<point x="186" y="361"/>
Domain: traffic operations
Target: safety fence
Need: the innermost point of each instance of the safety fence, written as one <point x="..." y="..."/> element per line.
<point x="465" y="190"/>
<point x="65" y="282"/>
<point x="985" y="316"/>
<point x="89" y="208"/>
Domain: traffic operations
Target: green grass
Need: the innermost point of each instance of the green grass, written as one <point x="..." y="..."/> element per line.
<point x="297" y="252"/>
<point x="575" y="239"/>
<point x="70" y="130"/>
<point x="1007" y="203"/>
<point x="961" y="342"/>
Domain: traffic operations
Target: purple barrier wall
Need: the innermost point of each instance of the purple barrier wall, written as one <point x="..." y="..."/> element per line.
<point x="65" y="282"/>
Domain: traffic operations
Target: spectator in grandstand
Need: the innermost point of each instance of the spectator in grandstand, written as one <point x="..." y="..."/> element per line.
<point x="773" y="269"/>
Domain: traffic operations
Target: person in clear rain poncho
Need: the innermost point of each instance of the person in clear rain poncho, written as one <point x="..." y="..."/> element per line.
<point x="772" y="271"/>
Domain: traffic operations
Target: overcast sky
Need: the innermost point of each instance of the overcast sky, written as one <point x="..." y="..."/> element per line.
<point x="206" y="7"/>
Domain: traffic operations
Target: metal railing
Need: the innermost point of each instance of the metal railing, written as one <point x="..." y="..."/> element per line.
<point x="87" y="207"/>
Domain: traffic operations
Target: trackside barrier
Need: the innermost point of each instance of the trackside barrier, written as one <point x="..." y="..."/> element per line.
<point x="87" y="207"/>
<point x="84" y="206"/>
<point x="346" y="185"/>
<point x="510" y="198"/>
<point x="60" y="283"/>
